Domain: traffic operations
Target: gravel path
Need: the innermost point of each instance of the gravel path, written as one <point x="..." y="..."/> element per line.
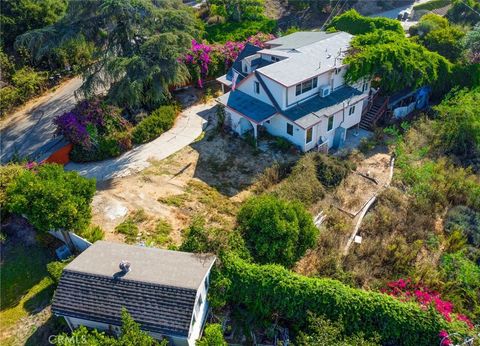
<point x="188" y="126"/>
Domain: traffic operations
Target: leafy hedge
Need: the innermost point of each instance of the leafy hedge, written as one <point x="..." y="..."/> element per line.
<point x="356" y="24"/>
<point x="51" y="198"/>
<point x="431" y="5"/>
<point x="271" y="289"/>
<point x="235" y="31"/>
<point x="158" y="122"/>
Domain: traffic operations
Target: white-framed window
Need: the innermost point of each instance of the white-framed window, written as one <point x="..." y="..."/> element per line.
<point x="256" y="87"/>
<point x="351" y="110"/>
<point x="245" y="68"/>
<point x="290" y="129"/>
<point x="330" y="123"/>
<point x="193" y="320"/>
<point x="275" y="58"/>
<point x="338" y="70"/>
<point x="306" y="86"/>
<point x="309" y="134"/>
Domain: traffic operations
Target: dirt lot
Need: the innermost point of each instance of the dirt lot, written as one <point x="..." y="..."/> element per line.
<point x="208" y="178"/>
<point x="371" y="175"/>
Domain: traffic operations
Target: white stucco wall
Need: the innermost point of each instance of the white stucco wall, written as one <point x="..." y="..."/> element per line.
<point x="236" y="122"/>
<point x="247" y="87"/>
<point x="278" y="127"/>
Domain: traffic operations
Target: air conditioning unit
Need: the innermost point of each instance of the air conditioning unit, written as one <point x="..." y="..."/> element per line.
<point x="324" y="91"/>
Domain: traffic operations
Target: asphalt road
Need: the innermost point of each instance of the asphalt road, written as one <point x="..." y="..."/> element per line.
<point x="29" y="132"/>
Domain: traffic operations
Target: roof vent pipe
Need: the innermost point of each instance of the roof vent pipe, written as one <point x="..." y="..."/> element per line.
<point x="124" y="266"/>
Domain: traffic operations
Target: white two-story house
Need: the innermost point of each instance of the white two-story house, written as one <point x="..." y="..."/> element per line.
<point x="295" y="89"/>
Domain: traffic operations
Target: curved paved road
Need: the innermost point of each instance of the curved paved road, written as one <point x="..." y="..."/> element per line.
<point x="28" y="133"/>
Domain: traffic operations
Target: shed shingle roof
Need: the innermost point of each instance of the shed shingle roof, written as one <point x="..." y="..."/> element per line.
<point x="159" y="291"/>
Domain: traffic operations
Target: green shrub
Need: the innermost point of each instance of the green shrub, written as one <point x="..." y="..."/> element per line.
<point x="129" y="229"/>
<point x="302" y="184"/>
<point x="9" y="98"/>
<point x="467" y="221"/>
<point x="432" y="5"/>
<point x="161" y="235"/>
<point x="323" y="332"/>
<point x="200" y="239"/>
<point x="356" y="24"/>
<point x="52" y="198"/>
<point x="8" y="174"/>
<point x="275" y="230"/>
<point x="271" y="290"/>
<point x="212" y="336"/>
<point x="55" y="269"/>
<point x="28" y="82"/>
<point x="93" y="233"/>
<point x="234" y="31"/>
<point x="330" y="170"/>
<point x="282" y="144"/>
<point x="158" y="122"/>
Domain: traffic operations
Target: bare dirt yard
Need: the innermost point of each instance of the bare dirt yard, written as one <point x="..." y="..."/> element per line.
<point x="208" y="178"/>
<point x="357" y="189"/>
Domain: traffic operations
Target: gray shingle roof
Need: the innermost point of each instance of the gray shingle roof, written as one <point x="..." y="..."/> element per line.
<point x="310" y="112"/>
<point x="247" y="51"/>
<point x="162" y="309"/>
<point x="159" y="290"/>
<point x="157" y="266"/>
<point x="247" y="105"/>
<point x="299" y="39"/>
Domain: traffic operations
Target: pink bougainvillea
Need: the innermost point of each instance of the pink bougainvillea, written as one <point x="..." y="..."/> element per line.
<point x="406" y="290"/>
<point x="203" y="56"/>
<point x="445" y="341"/>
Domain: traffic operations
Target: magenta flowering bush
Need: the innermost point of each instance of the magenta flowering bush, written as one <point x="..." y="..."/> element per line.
<point x="206" y="60"/>
<point x="406" y="290"/>
<point x="96" y="130"/>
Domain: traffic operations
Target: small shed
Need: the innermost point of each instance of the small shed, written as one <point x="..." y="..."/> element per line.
<point x="164" y="291"/>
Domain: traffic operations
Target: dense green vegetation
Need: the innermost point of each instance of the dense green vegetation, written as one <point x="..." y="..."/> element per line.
<point x="139" y="71"/>
<point x="354" y="23"/>
<point x="154" y="125"/>
<point x="130" y="335"/>
<point x="268" y="289"/>
<point x="51" y="198"/>
<point x="461" y="12"/>
<point x="432" y="5"/>
<point x="212" y="336"/>
<point x="438" y="35"/>
<point x="276" y="231"/>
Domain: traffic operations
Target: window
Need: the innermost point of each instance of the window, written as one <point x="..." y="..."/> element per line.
<point x="306" y="86"/>
<point x="298" y="89"/>
<point x="351" y="110"/>
<point x="245" y="68"/>
<point x="200" y="301"/>
<point x="193" y="320"/>
<point x="364" y="86"/>
<point x="256" y="87"/>
<point x="330" y="123"/>
<point x="290" y="129"/>
<point x="309" y="134"/>
<point x="274" y="58"/>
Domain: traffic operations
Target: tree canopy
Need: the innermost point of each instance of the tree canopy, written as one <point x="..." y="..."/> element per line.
<point x="138" y="43"/>
<point x="354" y="23"/>
<point x="20" y="16"/>
<point x="459" y="125"/>
<point x="276" y="231"/>
<point x="51" y="198"/>
<point x="438" y="35"/>
<point x="395" y="61"/>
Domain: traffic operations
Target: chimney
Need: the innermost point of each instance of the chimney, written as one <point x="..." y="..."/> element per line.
<point x="124" y="266"/>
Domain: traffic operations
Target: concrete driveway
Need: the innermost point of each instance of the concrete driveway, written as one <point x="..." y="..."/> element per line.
<point x="28" y="133"/>
<point x="188" y="127"/>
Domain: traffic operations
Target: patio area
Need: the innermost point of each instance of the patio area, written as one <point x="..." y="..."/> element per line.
<point x="353" y="139"/>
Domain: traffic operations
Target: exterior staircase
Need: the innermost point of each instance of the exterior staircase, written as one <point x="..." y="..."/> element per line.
<point x="376" y="108"/>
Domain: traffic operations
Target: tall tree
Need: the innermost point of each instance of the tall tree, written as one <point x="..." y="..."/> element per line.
<point x="394" y="61"/>
<point x="139" y="44"/>
<point x="20" y="16"/>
